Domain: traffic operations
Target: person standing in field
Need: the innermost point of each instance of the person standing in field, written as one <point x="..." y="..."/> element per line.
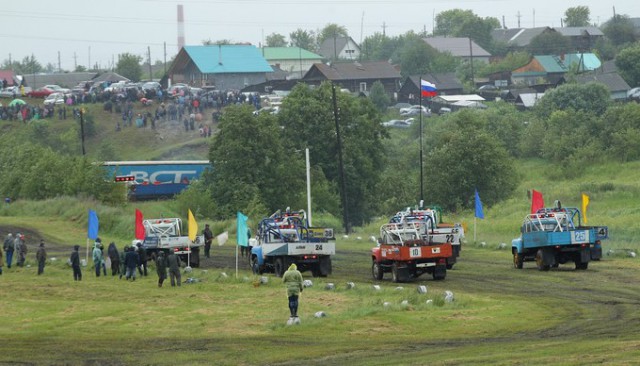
<point x="41" y="256"/>
<point x="142" y="257"/>
<point x="161" y="267"/>
<point x="97" y="258"/>
<point x="173" y="261"/>
<point x="131" y="262"/>
<point x="75" y="263"/>
<point x="114" y="256"/>
<point x="123" y="267"/>
<point x="208" y="238"/>
<point x="292" y="279"/>
<point x="20" y="247"/>
<point x="8" y="248"/>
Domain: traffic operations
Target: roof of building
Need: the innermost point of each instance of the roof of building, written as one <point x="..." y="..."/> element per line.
<point x="528" y="100"/>
<point x="288" y="53"/>
<point x="613" y="81"/>
<point x="442" y="81"/>
<point x="457" y="46"/>
<point x="355" y="70"/>
<point x="579" y="31"/>
<point x="63" y="79"/>
<point x="332" y="45"/>
<point x="111" y="77"/>
<point x="225" y="59"/>
<point x="520" y="37"/>
<point x="457" y="98"/>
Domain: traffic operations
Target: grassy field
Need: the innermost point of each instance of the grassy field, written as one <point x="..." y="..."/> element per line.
<point x="500" y="316"/>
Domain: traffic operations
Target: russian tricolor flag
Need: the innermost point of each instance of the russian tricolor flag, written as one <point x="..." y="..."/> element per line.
<point x="428" y="89"/>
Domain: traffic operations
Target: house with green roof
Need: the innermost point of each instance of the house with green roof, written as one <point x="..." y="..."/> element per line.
<point x="227" y="67"/>
<point x="294" y="60"/>
<point x="550" y="69"/>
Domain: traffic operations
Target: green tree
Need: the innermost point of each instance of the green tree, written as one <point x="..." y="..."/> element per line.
<point x="578" y="16"/>
<point x="331" y="31"/>
<point x="549" y="43"/>
<point x="465" y="153"/>
<point x="129" y="66"/>
<point x="308" y="121"/>
<point x="379" y="96"/>
<point x="378" y="47"/>
<point x="621" y="127"/>
<point x="619" y="29"/>
<point x="416" y="57"/>
<point x="465" y="23"/>
<point x="510" y="62"/>
<point x="251" y="164"/>
<point x="276" y="40"/>
<point x="303" y="39"/>
<point x="628" y="63"/>
<point x="592" y="98"/>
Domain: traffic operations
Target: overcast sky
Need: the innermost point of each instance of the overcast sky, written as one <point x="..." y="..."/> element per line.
<point x="84" y="31"/>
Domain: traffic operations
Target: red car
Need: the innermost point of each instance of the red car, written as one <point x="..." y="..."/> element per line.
<point x="40" y="92"/>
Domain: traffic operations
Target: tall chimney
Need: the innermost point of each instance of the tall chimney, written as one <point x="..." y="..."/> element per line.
<point x="180" y="28"/>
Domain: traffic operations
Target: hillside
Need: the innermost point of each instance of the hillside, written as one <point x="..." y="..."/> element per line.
<point x="168" y="140"/>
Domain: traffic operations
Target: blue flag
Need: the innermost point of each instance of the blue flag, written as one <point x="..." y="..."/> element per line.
<point x="92" y="232"/>
<point x="479" y="213"/>
<point x="241" y="234"/>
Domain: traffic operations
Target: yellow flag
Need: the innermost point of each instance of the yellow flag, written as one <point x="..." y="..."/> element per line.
<point x="585" y="204"/>
<point x="193" y="227"/>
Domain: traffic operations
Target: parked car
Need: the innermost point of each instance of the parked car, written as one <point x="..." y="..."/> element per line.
<point x="54" y="98"/>
<point x="41" y="92"/>
<point x="58" y="89"/>
<point x="415" y="110"/>
<point x="397" y="123"/>
<point x="634" y="94"/>
<point x="10" y="92"/>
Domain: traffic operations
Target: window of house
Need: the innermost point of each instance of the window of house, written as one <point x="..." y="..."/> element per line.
<point x="363" y="87"/>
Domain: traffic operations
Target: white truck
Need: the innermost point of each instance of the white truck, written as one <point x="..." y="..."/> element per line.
<point x="165" y="234"/>
<point x="286" y="238"/>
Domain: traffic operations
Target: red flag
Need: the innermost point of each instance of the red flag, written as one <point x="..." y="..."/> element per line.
<point x="537" y="202"/>
<point x="139" y="225"/>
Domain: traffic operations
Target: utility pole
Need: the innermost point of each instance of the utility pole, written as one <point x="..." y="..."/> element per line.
<point x="149" y="56"/>
<point x="518" y="16"/>
<point x="89" y="64"/>
<point x="345" y="210"/>
<point x="75" y="61"/>
<point x="473" y="81"/>
<point x="82" y="130"/>
<point x="59" y="64"/>
<point x="384" y="29"/>
<point x="165" y="58"/>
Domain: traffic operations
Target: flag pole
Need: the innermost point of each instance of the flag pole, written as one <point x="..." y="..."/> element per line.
<point x="421" y="170"/>
<point x="475" y="223"/>
<point x="237" y="245"/>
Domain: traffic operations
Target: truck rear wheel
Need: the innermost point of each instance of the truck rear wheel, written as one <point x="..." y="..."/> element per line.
<point x="376" y="271"/>
<point x="439" y="273"/>
<point x="580" y="265"/>
<point x="279" y="267"/>
<point x="518" y="260"/>
<point x="540" y="261"/>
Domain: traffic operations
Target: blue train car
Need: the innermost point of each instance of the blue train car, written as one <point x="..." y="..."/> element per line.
<point x="157" y="179"/>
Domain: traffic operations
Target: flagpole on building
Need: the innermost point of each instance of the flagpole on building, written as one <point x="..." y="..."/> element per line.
<point x="421" y="170"/>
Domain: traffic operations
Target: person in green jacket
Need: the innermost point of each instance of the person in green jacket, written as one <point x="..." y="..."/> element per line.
<point x="292" y="279"/>
<point x="97" y="257"/>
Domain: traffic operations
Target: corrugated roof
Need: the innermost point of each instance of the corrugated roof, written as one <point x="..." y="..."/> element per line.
<point x="551" y="63"/>
<point x="288" y="53"/>
<point x="589" y="60"/>
<point x="332" y="45"/>
<point x="579" y="31"/>
<point x="613" y="81"/>
<point x="457" y="98"/>
<point x="225" y="59"/>
<point x="520" y="37"/>
<point x="358" y="70"/>
<point x="442" y="80"/>
<point x="528" y="100"/>
<point x="457" y="46"/>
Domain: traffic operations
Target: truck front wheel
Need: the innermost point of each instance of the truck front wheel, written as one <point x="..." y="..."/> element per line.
<point x="376" y="271"/>
<point x="518" y="260"/>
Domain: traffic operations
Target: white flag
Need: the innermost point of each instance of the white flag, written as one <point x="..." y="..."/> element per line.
<point x="222" y="238"/>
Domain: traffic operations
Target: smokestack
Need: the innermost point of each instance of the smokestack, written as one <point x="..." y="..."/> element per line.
<point x="180" y="28"/>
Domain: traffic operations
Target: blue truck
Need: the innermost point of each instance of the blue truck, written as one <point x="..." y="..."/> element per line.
<point x="285" y="238"/>
<point x="156" y="179"/>
<point x="554" y="236"/>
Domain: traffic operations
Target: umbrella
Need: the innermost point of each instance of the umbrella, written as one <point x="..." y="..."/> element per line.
<point x="17" y="101"/>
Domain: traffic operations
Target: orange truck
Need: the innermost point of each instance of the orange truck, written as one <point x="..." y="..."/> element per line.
<point x="410" y="249"/>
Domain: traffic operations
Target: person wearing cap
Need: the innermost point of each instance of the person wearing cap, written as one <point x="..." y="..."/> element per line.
<point x="75" y="263"/>
<point x="8" y="249"/>
<point x="41" y="256"/>
<point x="292" y="279"/>
<point x="97" y="257"/>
